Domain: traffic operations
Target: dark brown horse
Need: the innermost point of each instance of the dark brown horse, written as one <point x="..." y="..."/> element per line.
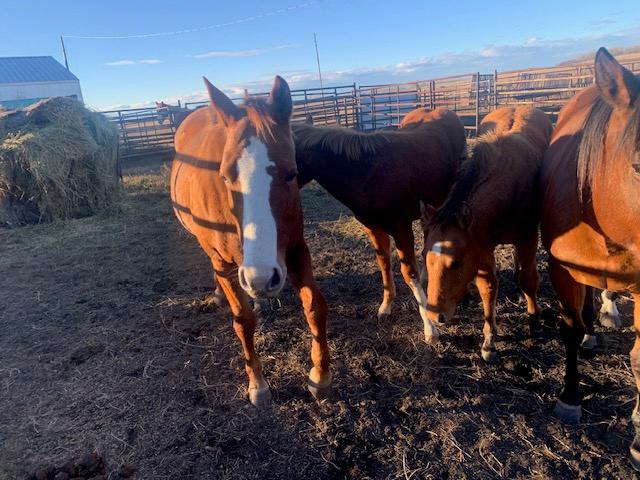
<point x="590" y="181"/>
<point x="493" y="201"/>
<point x="382" y="177"/>
<point x="175" y="112"/>
<point x="233" y="186"/>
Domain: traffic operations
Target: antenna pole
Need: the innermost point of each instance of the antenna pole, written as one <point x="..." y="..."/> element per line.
<point x="64" y="53"/>
<point x="315" y="41"/>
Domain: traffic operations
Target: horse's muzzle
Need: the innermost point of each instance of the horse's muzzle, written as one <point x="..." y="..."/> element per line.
<point x="262" y="281"/>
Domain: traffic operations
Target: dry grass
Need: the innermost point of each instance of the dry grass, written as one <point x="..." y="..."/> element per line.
<point x="58" y="160"/>
<point x="108" y="345"/>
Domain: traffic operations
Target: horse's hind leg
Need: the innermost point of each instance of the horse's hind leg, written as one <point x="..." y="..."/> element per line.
<point x="609" y="314"/>
<point x="244" y="323"/>
<point x="487" y="283"/>
<point x="589" y="341"/>
<point x="634" y="356"/>
<point x="382" y="245"/>
<point x="572" y="329"/>
<point x="410" y="273"/>
<point x="315" y="311"/>
<point x="528" y="279"/>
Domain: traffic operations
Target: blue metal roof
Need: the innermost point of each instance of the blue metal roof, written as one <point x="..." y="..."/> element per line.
<point x="33" y="69"/>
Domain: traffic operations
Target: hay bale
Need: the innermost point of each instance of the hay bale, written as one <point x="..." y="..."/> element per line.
<point x="58" y="160"/>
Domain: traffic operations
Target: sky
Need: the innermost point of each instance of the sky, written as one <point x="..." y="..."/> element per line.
<point x="169" y="45"/>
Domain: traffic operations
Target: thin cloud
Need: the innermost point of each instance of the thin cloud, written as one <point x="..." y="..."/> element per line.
<point x="242" y="53"/>
<point x="122" y="63"/>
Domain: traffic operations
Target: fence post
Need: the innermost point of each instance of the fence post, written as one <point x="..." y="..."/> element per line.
<point x="477" y="101"/>
<point x="495" y="89"/>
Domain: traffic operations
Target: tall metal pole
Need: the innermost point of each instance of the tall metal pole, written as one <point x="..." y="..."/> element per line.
<point x="64" y="53"/>
<point x="315" y="41"/>
<point x="324" y="113"/>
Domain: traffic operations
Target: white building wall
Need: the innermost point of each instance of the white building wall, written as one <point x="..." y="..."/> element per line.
<point x="20" y="91"/>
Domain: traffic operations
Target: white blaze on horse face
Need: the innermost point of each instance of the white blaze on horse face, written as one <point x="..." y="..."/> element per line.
<point x="260" y="272"/>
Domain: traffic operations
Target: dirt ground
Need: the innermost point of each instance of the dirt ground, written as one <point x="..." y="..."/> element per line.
<point x="107" y="345"/>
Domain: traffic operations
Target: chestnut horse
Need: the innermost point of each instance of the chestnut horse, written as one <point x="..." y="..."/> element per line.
<point x="590" y="182"/>
<point x="233" y="186"/>
<point x="493" y="201"/>
<point x="382" y="177"/>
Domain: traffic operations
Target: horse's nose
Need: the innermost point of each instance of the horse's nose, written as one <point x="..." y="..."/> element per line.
<point x="261" y="281"/>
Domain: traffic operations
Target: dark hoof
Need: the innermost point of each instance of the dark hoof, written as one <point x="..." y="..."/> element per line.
<point x="489" y="355"/>
<point x="567" y="413"/>
<point x="260" y="397"/>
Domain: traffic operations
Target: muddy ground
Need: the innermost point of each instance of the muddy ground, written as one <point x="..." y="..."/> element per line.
<point x="107" y="346"/>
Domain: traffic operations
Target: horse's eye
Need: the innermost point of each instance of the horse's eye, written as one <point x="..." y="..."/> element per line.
<point x="636" y="167"/>
<point x="291" y="176"/>
<point x="455" y="265"/>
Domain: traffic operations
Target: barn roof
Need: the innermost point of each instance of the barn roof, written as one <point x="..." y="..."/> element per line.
<point x="33" y="69"/>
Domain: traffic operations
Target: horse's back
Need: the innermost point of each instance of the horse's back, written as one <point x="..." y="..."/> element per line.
<point x="529" y="121"/>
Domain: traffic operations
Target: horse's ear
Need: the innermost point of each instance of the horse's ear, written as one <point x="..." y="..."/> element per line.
<point x="617" y="85"/>
<point x="427" y="211"/>
<point x="225" y="109"/>
<point x="465" y="216"/>
<point x="280" y="101"/>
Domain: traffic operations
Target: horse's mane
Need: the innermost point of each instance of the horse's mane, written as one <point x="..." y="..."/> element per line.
<point x="591" y="159"/>
<point x="339" y="141"/>
<point x="472" y="173"/>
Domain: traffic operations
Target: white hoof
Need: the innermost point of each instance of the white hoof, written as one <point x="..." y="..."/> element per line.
<point x="567" y="413"/>
<point x="384" y="311"/>
<point x="589" y="342"/>
<point x="489" y="355"/>
<point x="260" y="397"/>
<point x="432" y="336"/>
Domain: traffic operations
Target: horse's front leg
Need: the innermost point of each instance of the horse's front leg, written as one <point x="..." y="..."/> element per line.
<point x="634" y="356"/>
<point x="528" y="279"/>
<point x="572" y="329"/>
<point x="411" y="274"/>
<point x="487" y="283"/>
<point x="244" y="324"/>
<point x="315" y="310"/>
<point x="382" y="245"/>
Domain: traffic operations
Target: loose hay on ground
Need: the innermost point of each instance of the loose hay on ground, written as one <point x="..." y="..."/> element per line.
<point x="58" y="160"/>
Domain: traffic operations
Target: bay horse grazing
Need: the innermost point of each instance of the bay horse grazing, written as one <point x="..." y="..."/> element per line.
<point x="493" y="201"/>
<point x="590" y="181"/>
<point x="178" y="114"/>
<point x="233" y="186"/>
<point x="382" y="177"/>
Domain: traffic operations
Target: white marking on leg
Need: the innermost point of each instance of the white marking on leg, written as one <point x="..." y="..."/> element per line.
<point x="609" y="314"/>
<point x="589" y="341"/>
<point x="430" y="330"/>
<point x="437" y="248"/>
<point x="260" y="238"/>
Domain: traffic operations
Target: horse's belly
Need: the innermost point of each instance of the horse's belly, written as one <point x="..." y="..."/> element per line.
<point x="584" y="253"/>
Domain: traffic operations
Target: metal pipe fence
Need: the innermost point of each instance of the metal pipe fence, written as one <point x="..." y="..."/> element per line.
<point x="373" y="107"/>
